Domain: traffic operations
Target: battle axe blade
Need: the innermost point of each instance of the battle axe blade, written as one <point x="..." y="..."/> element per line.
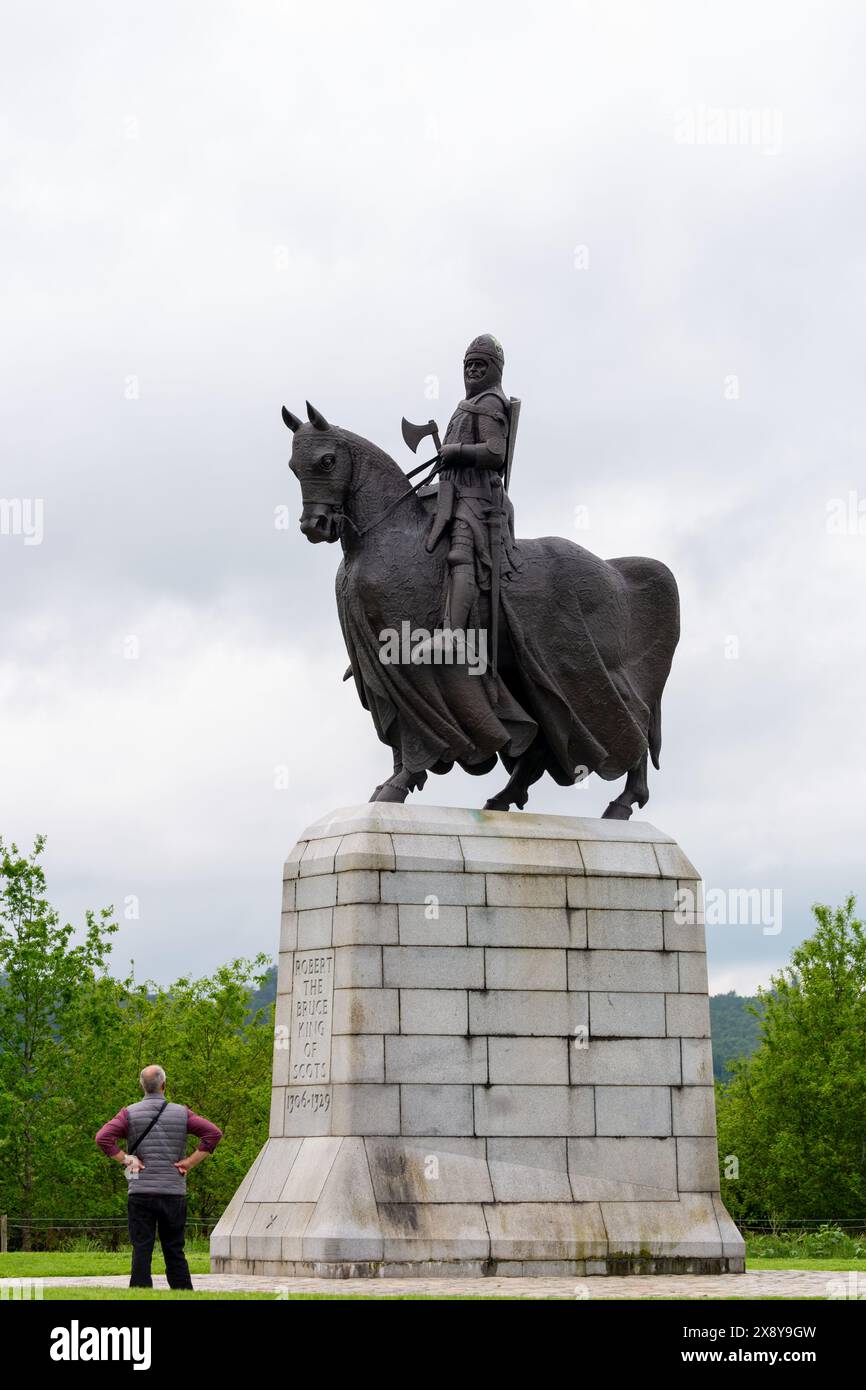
<point x="413" y="434"/>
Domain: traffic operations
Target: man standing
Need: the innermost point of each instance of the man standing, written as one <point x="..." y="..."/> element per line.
<point x="472" y="502"/>
<point x="156" y="1170"/>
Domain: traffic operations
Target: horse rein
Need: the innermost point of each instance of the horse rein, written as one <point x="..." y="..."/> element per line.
<point x="410" y="492"/>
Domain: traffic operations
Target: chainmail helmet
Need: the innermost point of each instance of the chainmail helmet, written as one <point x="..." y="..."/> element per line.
<point x="488" y="347"/>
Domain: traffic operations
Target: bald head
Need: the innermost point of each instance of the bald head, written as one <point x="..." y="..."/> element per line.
<point x="152" y="1080"/>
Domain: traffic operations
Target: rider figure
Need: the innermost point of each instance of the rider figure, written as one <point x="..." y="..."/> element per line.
<point x="471" y="492"/>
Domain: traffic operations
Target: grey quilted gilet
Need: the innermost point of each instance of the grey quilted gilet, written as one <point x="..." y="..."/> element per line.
<point x="160" y="1150"/>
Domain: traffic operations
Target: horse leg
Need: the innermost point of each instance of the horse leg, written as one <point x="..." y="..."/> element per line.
<point x="635" y="792"/>
<point x="398" y="767"/>
<point x="528" y="769"/>
<point x="400" y="784"/>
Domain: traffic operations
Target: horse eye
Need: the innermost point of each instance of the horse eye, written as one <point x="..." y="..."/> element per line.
<point x="327" y="462"/>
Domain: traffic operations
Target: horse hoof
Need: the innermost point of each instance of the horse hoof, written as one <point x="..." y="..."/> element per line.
<point x="388" y="792"/>
<point x="497" y="804"/>
<point x="616" y="811"/>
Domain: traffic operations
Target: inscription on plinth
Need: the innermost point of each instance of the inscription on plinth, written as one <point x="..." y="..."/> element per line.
<point x="308" y="1098"/>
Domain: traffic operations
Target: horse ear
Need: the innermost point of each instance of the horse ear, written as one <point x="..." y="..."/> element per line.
<point x="291" y="421"/>
<point x="316" y="418"/>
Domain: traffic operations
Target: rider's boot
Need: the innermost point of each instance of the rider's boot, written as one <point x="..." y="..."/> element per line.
<point x="461" y="596"/>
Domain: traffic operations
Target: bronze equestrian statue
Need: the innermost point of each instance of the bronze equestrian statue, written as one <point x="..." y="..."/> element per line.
<point x="580" y="648"/>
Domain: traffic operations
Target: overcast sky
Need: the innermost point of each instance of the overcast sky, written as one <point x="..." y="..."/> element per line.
<point x="210" y="210"/>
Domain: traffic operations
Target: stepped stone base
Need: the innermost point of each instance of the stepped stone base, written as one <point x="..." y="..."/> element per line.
<point x="491" y="1057"/>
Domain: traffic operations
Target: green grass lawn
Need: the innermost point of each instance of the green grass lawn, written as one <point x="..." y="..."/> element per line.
<point x="77" y="1265"/>
<point x="801" y="1262"/>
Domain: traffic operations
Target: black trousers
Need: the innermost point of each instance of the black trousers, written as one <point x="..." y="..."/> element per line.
<point x="148" y="1213"/>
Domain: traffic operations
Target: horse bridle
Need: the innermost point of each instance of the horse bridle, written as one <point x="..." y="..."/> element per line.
<point x="410" y="492"/>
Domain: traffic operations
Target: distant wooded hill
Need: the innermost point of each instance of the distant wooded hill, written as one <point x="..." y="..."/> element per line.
<point x="735" y="1030"/>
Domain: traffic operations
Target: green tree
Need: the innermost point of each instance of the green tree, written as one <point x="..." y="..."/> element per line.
<point x="43" y="976"/>
<point x="794" y="1112"/>
<point x="217" y="1055"/>
<point x="73" y="1039"/>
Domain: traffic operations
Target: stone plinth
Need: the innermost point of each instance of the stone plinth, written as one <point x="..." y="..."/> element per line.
<point x="492" y="1055"/>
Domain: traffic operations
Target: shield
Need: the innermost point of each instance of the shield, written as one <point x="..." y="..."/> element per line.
<point x="513" y="420"/>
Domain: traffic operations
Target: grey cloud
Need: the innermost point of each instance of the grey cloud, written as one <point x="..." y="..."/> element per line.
<point x="278" y="204"/>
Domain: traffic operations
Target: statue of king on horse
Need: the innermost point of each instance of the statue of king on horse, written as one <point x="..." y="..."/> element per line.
<point x="579" y="648"/>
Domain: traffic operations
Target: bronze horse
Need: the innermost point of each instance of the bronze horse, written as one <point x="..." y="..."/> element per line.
<point x="585" y="645"/>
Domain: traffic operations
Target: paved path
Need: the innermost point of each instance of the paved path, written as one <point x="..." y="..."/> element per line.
<point x="767" y="1283"/>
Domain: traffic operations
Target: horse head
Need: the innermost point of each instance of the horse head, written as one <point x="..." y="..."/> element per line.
<point x="346" y="479"/>
<point x="322" y="462"/>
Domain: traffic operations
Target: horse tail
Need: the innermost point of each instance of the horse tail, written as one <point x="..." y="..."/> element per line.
<point x="655" y="730"/>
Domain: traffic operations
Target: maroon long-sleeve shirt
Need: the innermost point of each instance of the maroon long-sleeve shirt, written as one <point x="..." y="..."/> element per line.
<point x="118" y="1128"/>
